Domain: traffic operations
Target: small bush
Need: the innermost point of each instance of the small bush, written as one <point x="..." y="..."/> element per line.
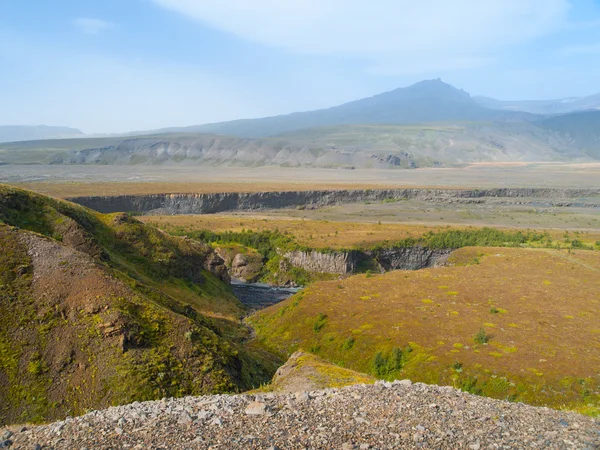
<point x="35" y="367"/>
<point x="482" y="337"/>
<point x="368" y="274"/>
<point x="494" y="310"/>
<point x="458" y="367"/>
<point x="320" y="322"/>
<point x="348" y="344"/>
<point x="388" y="366"/>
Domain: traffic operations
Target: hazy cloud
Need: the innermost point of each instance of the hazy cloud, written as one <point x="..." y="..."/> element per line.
<point x="422" y="32"/>
<point x="91" y="26"/>
<point x="579" y="50"/>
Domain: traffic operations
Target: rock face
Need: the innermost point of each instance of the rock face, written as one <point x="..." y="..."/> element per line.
<point x="331" y="262"/>
<point x="242" y="263"/>
<point x="410" y="258"/>
<point x="233" y="201"/>
<point x="386" y="415"/>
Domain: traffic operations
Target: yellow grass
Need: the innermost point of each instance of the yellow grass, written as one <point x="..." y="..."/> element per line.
<point x="545" y="344"/>
<point x="324" y="233"/>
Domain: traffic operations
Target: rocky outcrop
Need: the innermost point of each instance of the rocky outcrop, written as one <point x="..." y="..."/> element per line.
<point x="410" y="258"/>
<point x="386" y="259"/>
<point x="330" y="262"/>
<point x="234" y="201"/>
<point x="242" y="263"/>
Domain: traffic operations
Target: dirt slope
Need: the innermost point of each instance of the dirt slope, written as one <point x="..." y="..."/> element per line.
<point x="99" y="310"/>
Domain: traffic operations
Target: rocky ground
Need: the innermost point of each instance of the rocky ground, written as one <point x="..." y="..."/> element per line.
<point x="380" y="416"/>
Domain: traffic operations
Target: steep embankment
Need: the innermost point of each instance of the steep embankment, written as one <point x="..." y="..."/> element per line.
<point x="382" y="416"/>
<point x="233" y="201"/>
<point x="99" y="310"/>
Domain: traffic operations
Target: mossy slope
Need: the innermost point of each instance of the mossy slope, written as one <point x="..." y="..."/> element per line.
<point x="98" y="310"/>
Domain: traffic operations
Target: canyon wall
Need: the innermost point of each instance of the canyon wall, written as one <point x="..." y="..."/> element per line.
<point x="386" y="259"/>
<point x="233" y="201"/>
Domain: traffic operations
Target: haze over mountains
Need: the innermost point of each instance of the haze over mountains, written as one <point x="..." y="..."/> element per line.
<point x="560" y="106"/>
<point x="12" y="133"/>
<point x="430" y="123"/>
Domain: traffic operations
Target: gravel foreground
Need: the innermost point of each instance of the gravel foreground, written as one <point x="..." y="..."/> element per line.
<point x="397" y="415"/>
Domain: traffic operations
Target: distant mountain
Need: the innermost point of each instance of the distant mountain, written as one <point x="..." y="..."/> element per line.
<point x="560" y="106"/>
<point x="428" y="124"/>
<point x="426" y="101"/>
<point x="580" y="129"/>
<point x="14" y="133"/>
<point x="572" y="137"/>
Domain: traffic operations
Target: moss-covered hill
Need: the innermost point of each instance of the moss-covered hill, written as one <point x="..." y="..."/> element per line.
<point x="510" y="323"/>
<point x="101" y="309"/>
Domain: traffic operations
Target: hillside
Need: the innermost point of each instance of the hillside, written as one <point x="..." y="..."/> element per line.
<point x="487" y="324"/>
<point x="12" y="133"/>
<point x="99" y="310"/>
<point x="581" y="129"/>
<point x="343" y="146"/>
<point x="426" y="101"/>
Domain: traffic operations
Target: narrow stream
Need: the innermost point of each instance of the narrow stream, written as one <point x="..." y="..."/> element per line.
<point x="258" y="296"/>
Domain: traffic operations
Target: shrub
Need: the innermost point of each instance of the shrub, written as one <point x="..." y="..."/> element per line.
<point x="458" y="367"/>
<point x="388" y="366"/>
<point x="348" y="343"/>
<point x="379" y="363"/>
<point x="320" y="323"/>
<point x="35" y="367"/>
<point x="368" y="274"/>
<point x="494" y="310"/>
<point x="482" y="337"/>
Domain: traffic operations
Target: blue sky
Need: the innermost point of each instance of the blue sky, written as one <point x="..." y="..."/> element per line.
<point x="120" y="65"/>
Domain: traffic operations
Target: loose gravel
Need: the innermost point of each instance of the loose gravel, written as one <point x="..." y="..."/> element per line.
<point x="398" y="415"/>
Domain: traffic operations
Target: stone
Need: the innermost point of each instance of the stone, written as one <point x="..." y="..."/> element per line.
<point x="256" y="409"/>
<point x="302" y="396"/>
<point x="403" y="382"/>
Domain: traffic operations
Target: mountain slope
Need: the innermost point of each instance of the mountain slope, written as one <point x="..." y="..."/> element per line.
<point x="559" y="106"/>
<point x="98" y="310"/>
<point x="426" y="101"/>
<point x="12" y="133"/>
<point x="581" y="129"/>
<point x="362" y="146"/>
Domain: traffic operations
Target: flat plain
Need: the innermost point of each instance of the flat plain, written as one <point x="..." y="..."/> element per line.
<point x="70" y="181"/>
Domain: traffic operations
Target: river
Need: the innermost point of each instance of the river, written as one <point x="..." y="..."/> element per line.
<point x="258" y="296"/>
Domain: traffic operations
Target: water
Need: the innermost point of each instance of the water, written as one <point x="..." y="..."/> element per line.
<point x="259" y="295"/>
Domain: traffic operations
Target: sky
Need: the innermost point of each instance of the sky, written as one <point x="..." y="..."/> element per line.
<point x="109" y="66"/>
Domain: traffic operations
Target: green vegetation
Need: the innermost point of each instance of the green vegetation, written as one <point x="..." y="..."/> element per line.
<point x="389" y="366"/>
<point x="320" y="322"/>
<point x="138" y="328"/>
<point x="482" y="337"/>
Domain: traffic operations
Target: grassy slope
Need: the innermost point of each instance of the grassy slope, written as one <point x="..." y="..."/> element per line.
<point x="107" y="310"/>
<point x="540" y="308"/>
